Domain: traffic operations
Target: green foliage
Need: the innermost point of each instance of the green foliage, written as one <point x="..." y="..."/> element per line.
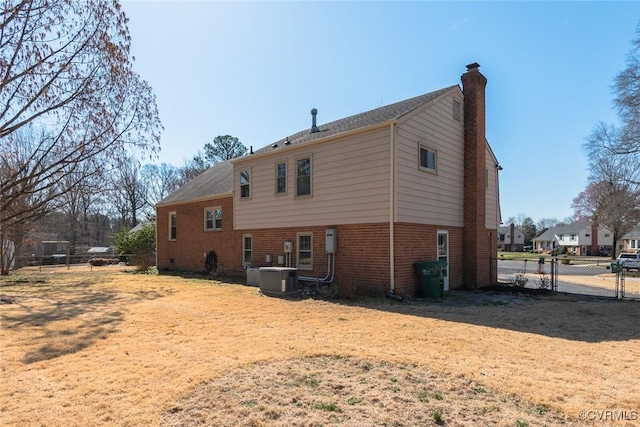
<point x="529" y="230"/>
<point x="139" y="246"/>
<point x="224" y="147"/>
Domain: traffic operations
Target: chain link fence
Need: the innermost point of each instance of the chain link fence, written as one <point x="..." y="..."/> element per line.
<point x="595" y="277"/>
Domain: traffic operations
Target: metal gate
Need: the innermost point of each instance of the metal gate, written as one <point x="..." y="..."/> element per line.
<point x="573" y="276"/>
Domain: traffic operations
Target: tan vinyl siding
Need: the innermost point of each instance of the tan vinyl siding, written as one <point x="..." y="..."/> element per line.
<point x="424" y="197"/>
<point x="349" y="185"/>
<point x="492" y="219"/>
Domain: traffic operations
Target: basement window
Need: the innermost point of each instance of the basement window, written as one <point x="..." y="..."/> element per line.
<point x="428" y="159"/>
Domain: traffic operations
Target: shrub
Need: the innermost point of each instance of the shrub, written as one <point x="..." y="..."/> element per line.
<point x="140" y="245"/>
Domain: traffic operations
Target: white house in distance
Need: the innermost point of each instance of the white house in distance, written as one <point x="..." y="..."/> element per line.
<point x="580" y="238"/>
<point x="630" y="242"/>
<point x="510" y="238"/>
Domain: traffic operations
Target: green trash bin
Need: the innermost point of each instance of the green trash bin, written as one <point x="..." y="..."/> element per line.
<point x="615" y="267"/>
<point x="431" y="275"/>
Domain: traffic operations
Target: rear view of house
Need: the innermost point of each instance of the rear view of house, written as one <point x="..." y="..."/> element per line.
<point x="356" y="201"/>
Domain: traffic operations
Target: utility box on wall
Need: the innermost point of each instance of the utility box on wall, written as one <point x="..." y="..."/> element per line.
<point x="330" y="240"/>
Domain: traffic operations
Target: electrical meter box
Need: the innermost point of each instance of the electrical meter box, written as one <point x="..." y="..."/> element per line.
<point x="330" y="241"/>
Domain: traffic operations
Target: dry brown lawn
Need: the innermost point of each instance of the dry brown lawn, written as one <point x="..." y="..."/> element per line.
<point x="107" y="347"/>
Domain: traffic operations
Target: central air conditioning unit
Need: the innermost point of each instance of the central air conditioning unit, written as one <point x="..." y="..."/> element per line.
<point x="278" y="281"/>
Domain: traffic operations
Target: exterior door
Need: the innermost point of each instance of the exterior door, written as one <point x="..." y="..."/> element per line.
<point x="443" y="254"/>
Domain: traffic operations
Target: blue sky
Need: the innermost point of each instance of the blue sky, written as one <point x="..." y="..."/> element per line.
<point x="254" y="70"/>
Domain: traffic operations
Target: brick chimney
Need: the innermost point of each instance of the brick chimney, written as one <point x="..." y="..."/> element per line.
<point x="480" y="245"/>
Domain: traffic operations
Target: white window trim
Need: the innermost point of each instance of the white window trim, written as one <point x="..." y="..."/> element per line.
<point x="213" y="210"/>
<point x="422" y="146"/>
<point x="171" y="214"/>
<point x="244" y="249"/>
<point x="303" y="267"/>
<point x="250" y="186"/>
<point x="295" y="172"/>
<point x="286" y="177"/>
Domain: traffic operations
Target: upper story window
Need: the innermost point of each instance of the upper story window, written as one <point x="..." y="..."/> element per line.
<point x="428" y="159"/>
<point x="501" y="237"/>
<point x="245" y="182"/>
<point x="281" y="177"/>
<point x="173" y="226"/>
<point x="303" y="176"/>
<point x="213" y="218"/>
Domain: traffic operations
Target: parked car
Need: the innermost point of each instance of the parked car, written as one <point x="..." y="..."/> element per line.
<point x="629" y="261"/>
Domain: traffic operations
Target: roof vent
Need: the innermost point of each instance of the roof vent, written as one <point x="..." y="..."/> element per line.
<point x="314" y="128"/>
<point x="274" y="145"/>
<point x="251" y="149"/>
<point x="286" y="141"/>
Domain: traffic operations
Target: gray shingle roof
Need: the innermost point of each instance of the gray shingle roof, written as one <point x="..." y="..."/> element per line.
<point x="357" y="121"/>
<point x="218" y="179"/>
<point x="575" y="228"/>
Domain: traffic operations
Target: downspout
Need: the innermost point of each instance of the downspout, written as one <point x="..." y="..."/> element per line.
<point x="392" y="197"/>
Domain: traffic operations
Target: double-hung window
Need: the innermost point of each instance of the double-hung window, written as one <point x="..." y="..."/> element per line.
<point x="305" y="251"/>
<point x="246" y="250"/>
<point x="173" y="226"/>
<point x="281" y="177"/>
<point x="213" y="218"/>
<point x="428" y="159"/>
<point x="303" y="176"/>
<point x="245" y="183"/>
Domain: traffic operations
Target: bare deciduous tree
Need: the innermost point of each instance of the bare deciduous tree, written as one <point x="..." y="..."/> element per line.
<point x="65" y="67"/>
<point x="609" y="203"/>
<point x="128" y="191"/>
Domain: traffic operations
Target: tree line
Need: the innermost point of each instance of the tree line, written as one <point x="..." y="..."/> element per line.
<point x="78" y="126"/>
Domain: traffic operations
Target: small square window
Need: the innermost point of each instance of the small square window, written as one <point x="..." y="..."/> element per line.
<point x="213" y="218"/>
<point x="428" y="159"/>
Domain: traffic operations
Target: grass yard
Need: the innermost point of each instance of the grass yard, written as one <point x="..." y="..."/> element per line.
<point x="107" y="347"/>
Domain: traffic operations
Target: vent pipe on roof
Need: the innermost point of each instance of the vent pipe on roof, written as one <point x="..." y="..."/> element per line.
<point x="251" y="149"/>
<point x="314" y="128"/>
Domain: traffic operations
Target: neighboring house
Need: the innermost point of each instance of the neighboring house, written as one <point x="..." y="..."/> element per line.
<point x="510" y="239"/>
<point x="630" y="242"/>
<point x="55" y="248"/>
<point x="579" y="238"/>
<point x="100" y="251"/>
<point x="411" y="181"/>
